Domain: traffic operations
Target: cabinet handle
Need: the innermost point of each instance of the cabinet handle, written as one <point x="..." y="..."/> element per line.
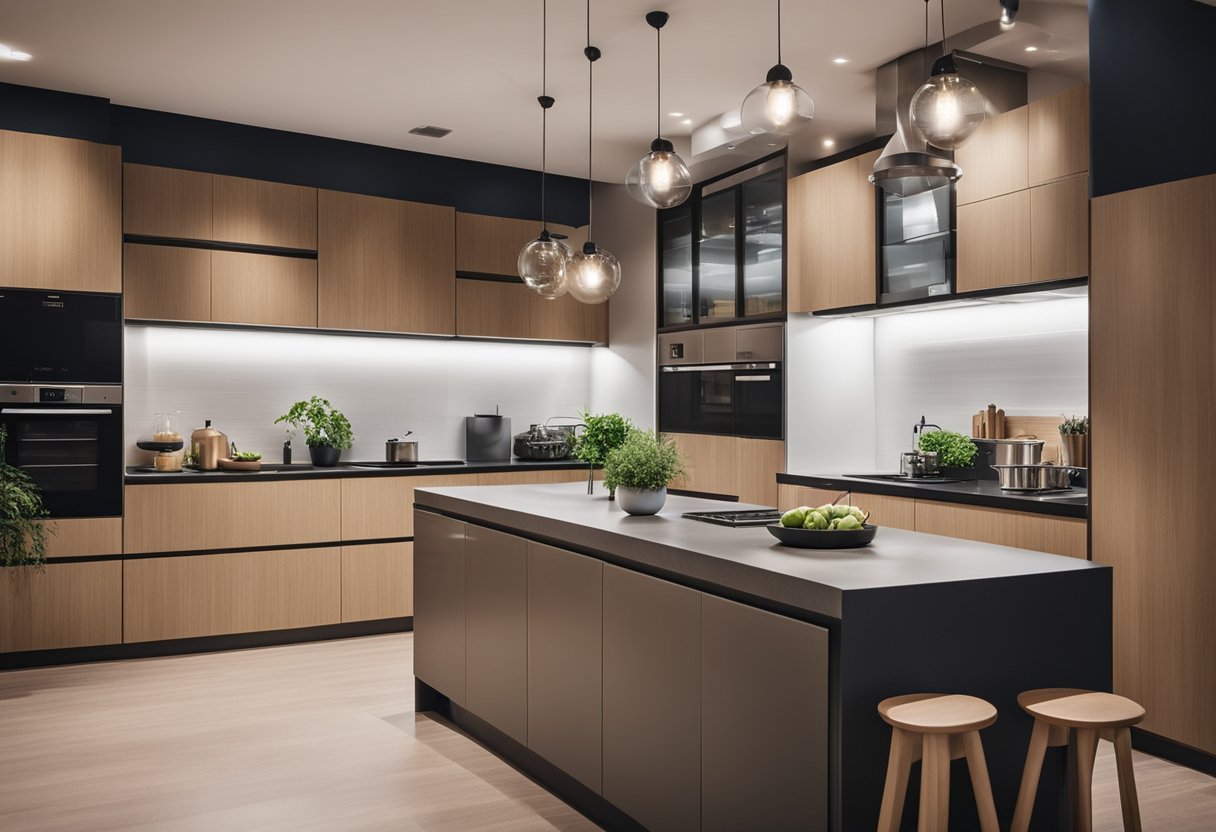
<point x="753" y="378"/>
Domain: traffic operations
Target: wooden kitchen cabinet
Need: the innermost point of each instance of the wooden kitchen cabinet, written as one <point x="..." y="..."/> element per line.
<point x="994" y="242"/>
<point x="1023" y="530"/>
<point x="565" y="319"/>
<point x="1059" y="229"/>
<point x="220" y="594"/>
<point x="377" y="581"/>
<point x="256" y="212"/>
<point x="731" y="466"/>
<point x="166" y="283"/>
<point x="374" y="508"/>
<point x="64" y="605"/>
<point x="493" y="308"/>
<point x="496" y="629"/>
<point x="76" y="536"/>
<point x="565" y="661"/>
<point x="167" y="202"/>
<point x="263" y="289"/>
<point x="198" y="517"/>
<point x="1059" y="136"/>
<point x="893" y="512"/>
<point x="385" y="264"/>
<point x="995" y="160"/>
<point x="439" y="604"/>
<point x="762" y="767"/>
<point x="652" y="684"/>
<point x="831" y="230"/>
<point x="489" y="245"/>
<point x="60" y="214"/>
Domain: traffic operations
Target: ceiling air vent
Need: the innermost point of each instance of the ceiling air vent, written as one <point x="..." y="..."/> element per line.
<point x="430" y="131"/>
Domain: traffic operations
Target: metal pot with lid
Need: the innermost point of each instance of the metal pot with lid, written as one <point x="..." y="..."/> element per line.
<point x="399" y="450"/>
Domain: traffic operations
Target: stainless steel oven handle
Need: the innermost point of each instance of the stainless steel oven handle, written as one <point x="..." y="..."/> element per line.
<point x="696" y="368"/>
<point x="54" y="411"/>
<point x="753" y="378"/>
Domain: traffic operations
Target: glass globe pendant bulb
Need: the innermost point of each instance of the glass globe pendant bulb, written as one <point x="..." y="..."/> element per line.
<point x="659" y="179"/>
<point x="544" y="266"/>
<point x="777" y="106"/>
<point x="594" y="274"/>
<point x="948" y="108"/>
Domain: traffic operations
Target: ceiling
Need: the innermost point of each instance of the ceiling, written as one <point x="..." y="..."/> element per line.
<point x="369" y="70"/>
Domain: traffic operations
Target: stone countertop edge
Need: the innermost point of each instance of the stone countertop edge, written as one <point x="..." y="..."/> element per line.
<point x="346" y="469"/>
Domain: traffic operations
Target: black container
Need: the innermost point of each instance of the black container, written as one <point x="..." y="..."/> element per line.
<point x="324" y="456"/>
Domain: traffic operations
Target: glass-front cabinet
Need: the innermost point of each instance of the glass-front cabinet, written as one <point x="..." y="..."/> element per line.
<point x="721" y="253"/>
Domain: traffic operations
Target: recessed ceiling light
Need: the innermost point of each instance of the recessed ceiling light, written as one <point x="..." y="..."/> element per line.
<point x="730" y="147"/>
<point x="840" y="60"/>
<point x="11" y="54"/>
<point x="829" y="142"/>
<point x="676" y="115"/>
<point x="1032" y="49"/>
<point x="772" y="144"/>
<point x="686" y="121"/>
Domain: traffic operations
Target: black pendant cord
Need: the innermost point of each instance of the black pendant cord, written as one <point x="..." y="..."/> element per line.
<point x="658" y="83"/>
<point x="778" y="31"/>
<point x="544" y="111"/>
<point x="926" y="28"/>
<point x="943" y="5"/>
<point x="591" y="54"/>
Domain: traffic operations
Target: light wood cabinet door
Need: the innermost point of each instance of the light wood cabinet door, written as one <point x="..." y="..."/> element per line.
<point x="757" y="462"/>
<point x="831" y="230"/>
<point x="60" y="209"/>
<point x="995" y="159"/>
<point x="245" y="592"/>
<point x="65" y="605"/>
<point x="73" y="537"/>
<point x="652" y="687"/>
<point x="1040" y="533"/>
<point x="762" y="767"/>
<point x="1059" y="229"/>
<point x="565" y="319"/>
<point x="377" y="507"/>
<point x="439" y="604"/>
<point x="385" y="264"/>
<point x="994" y="242"/>
<point x="166" y="202"/>
<point x="493" y="308"/>
<point x="491" y="245"/>
<point x="166" y="283"/>
<point x="710" y="464"/>
<point x="1059" y="135"/>
<point x="377" y="581"/>
<point x="263" y="289"/>
<point x="565" y="661"/>
<point x="201" y="517"/>
<point x="263" y="213"/>
<point x="893" y="512"/>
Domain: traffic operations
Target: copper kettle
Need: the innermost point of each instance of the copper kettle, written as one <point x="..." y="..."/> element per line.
<point x="208" y="446"/>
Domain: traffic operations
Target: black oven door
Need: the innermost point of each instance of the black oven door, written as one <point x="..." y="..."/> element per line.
<point x="696" y="399"/>
<point x="60" y="337"/>
<point x="73" y="453"/>
<point x="759" y="401"/>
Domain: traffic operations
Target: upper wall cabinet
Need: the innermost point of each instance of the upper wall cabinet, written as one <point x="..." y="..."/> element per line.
<point x="186" y="205"/>
<point x="509" y="309"/>
<point x="491" y="245"/>
<point x="995" y="159"/>
<point x="60" y="209"/>
<point x="832" y="236"/>
<point x="1059" y="136"/>
<point x="385" y="265"/>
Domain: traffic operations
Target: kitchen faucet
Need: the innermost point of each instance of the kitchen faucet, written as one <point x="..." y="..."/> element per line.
<point x="919" y="428"/>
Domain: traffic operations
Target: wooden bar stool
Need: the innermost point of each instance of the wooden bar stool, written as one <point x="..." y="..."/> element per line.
<point x="935" y="729"/>
<point x="1078" y="718"/>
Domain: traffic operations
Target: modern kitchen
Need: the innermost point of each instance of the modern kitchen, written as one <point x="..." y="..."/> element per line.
<point x="585" y="415"/>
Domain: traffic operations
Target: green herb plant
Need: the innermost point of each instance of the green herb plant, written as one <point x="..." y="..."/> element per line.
<point x="953" y="449"/>
<point x="603" y="433"/>
<point x="1074" y="426"/>
<point x="22" y="533"/>
<point x="644" y="460"/>
<point x="321" y="423"/>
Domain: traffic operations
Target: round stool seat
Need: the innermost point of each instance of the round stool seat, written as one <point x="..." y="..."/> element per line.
<point x="1073" y="708"/>
<point x="937" y="713"/>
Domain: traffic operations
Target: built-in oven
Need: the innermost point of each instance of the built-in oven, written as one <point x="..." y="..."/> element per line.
<point x="738" y="399"/>
<point x="61" y="397"/>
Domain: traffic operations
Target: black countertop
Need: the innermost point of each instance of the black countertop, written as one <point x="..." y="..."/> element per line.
<point x="304" y="471"/>
<point x="736" y="562"/>
<point x="986" y="493"/>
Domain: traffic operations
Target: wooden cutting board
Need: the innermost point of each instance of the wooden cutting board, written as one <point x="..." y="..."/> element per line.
<point x="1046" y="428"/>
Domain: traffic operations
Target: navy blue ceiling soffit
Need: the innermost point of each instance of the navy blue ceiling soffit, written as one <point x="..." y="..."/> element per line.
<point x="153" y="137"/>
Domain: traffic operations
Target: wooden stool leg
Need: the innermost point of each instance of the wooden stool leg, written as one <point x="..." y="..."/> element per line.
<point x="1030" y="777"/>
<point x="935" y="784"/>
<point x="980" y="783"/>
<point x="898" y="765"/>
<point x="1127" y="780"/>
<point x="1082" y="747"/>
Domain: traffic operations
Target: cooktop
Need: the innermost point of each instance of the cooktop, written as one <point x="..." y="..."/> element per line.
<point x="752" y="517"/>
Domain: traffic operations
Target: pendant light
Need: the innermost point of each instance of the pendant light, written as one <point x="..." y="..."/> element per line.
<point x="543" y="262"/>
<point x="593" y="273"/>
<point x="659" y="179"/>
<point x="948" y="108"/>
<point x="778" y="105"/>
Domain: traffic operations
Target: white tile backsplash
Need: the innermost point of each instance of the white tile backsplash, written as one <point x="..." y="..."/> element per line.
<point x="243" y="380"/>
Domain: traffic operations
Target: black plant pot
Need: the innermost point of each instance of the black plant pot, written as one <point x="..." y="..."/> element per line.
<point x="324" y="456"/>
<point x="953" y="473"/>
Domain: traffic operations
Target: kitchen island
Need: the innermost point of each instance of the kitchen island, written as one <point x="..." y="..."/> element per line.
<point x="668" y="674"/>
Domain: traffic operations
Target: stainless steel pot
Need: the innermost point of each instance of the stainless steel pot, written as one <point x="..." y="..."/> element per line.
<point x="1025" y="450"/>
<point x="1044" y="477"/>
<point x="545" y="441"/>
<point x="399" y="450"/>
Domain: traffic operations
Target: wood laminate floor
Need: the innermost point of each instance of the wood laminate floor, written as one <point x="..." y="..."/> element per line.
<point x="317" y="737"/>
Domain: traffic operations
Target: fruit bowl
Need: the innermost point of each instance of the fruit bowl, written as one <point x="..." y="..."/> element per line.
<point x="823" y="538"/>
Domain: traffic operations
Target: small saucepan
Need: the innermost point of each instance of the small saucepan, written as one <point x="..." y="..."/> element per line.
<point x="398" y="450"/>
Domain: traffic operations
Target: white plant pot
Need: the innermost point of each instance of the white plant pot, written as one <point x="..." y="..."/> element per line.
<point x="641" y="501"/>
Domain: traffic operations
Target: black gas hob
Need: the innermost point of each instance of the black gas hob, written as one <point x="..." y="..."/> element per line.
<point x="750" y="517"/>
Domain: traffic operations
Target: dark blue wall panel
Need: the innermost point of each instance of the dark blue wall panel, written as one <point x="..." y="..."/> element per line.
<point x="1152" y="67"/>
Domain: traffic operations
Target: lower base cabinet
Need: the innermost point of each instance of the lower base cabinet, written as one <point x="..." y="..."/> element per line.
<point x="64" y="605"/>
<point x="731" y="466"/>
<point x="439" y="604"/>
<point x="208" y="595"/>
<point x="377" y="581"/>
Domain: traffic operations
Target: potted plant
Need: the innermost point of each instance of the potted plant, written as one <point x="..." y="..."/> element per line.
<point x="326" y="431"/>
<point x="955" y="453"/>
<point x="640" y="469"/>
<point x="22" y="533"/>
<point x="602" y="434"/>
<point x="1074" y="442"/>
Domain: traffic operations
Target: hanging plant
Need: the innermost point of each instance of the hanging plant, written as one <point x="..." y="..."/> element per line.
<point x="22" y="532"/>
